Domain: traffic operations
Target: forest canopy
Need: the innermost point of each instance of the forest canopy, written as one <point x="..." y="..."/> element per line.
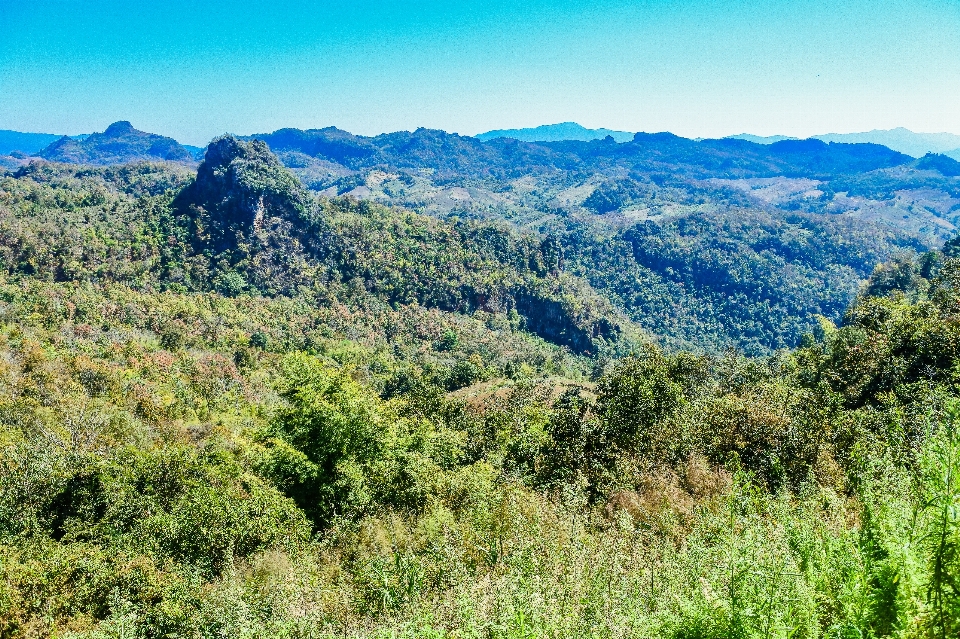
<point x="233" y="406"/>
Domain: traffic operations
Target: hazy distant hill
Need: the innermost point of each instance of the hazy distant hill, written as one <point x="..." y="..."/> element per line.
<point x="556" y="133"/>
<point x="899" y="139"/>
<point x="119" y="144"/>
<point x="760" y="139"/>
<point x="28" y="143"/>
<point x="334" y="153"/>
<point x="903" y="140"/>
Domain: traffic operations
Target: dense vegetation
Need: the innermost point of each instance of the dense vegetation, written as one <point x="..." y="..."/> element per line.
<point x="229" y="408"/>
<point x="246" y="226"/>
<point x="760" y="240"/>
<point x="705" y="243"/>
<point x="119" y="143"/>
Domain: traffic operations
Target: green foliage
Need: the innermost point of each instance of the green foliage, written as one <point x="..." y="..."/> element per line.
<point x="938" y="529"/>
<point x="704" y="243"/>
<point x="246" y="226"/>
<point x="386" y="450"/>
<point x="120" y="143"/>
<point x="240" y="193"/>
<point x="641" y="394"/>
<point x="331" y="429"/>
<point x="744" y="277"/>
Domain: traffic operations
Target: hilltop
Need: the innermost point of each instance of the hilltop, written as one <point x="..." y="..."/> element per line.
<point x="118" y="144"/>
<point x="555" y="133"/>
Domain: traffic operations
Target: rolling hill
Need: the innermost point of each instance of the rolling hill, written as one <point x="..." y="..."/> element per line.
<point x="118" y="144"/>
<point x="28" y="143"/>
<point x="701" y="243"/>
<point x="556" y="133"/>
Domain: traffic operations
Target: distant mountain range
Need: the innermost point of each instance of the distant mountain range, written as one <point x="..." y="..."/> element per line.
<point x="331" y="158"/>
<point x="899" y="139"/>
<point x="122" y="143"/>
<point x="556" y="133"/>
<point x="28" y="143"/>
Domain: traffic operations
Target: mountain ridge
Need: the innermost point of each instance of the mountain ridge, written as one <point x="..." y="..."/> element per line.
<point x="28" y="143"/>
<point x="119" y="143"/>
<point x="556" y="133"/>
<point x="442" y="151"/>
<point x="899" y="139"/>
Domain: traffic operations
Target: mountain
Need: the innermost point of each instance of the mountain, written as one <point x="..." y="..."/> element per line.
<point x="703" y="243"/>
<point x="119" y="144"/>
<point x="556" y="133"/>
<point x="28" y="143"/>
<point x="899" y="139"/>
<point x="760" y="139"/>
<point x="453" y="156"/>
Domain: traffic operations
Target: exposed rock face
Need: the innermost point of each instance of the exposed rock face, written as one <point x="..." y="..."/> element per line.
<point x="119" y="144"/>
<point x="241" y="191"/>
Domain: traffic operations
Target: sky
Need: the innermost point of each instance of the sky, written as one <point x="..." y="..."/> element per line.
<point x="194" y="69"/>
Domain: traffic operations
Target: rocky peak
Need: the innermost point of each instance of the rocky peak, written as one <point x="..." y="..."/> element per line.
<point x="241" y="191"/>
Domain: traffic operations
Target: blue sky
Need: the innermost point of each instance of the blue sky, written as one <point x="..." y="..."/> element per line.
<point x="195" y="69"/>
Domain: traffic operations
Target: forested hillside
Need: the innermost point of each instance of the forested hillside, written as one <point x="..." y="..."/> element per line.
<point x="119" y="143"/>
<point x="714" y="242"/>
<point x="245" y="225"/>
<point x="702" y="244"/>
<point x="231" y="407"/>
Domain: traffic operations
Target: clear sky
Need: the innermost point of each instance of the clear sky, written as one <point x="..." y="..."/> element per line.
<point x="193" y="69"/>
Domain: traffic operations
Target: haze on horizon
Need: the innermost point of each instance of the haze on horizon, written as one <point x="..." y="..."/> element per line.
<point x="699" y="69"/>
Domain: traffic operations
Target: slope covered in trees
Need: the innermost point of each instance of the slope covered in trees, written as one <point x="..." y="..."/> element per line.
<point x="759" y="239"/>
<point x="228" y="408"/>
<point x="118" y="144"/>
<point x="703" y="243"/>
<point x="246" y="226"/>
<point x="700" y="265"/>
